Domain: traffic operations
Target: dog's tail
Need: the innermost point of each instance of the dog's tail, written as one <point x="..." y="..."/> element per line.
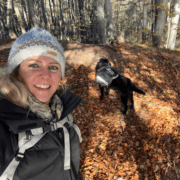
<point x="138" y="90"/>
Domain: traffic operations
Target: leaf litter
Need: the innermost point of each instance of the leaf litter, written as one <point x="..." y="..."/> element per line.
<point x="142" y="145"/>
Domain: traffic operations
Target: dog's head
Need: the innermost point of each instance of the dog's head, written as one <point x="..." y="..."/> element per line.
<point x="103" y="62"/>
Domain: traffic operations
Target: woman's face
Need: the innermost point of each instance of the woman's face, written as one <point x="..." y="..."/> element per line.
<point x="41" y="75"/>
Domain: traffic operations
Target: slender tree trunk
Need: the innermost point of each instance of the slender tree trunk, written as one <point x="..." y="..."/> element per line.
<point x="82" y="21"/>
<point x="101" y="21"/>
<point x="46" y="7"/>
<point x="160" y="19"/>
<point x="8" y="18"/>
<point x="44" y="14"/>
<point x="52" y="19"/>
<point x="145" y="20"/>
<point x="32" y="18"/>
<point x="174" y="26"/>
<point x="168" y="23"/>
<point x="24" y="12"/>
<point x="17" y="7"/>
<point x="4" y="33"/>
<point x="109" y="25"/>
<point x="61" y="21"/>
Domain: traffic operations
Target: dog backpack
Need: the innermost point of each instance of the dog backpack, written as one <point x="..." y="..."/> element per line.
<point x="28" y="139"/>
<point x="105" y="75"/>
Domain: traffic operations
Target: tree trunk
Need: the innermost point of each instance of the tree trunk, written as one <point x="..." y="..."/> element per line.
<point x="44" y="14"/>
<point x="160" y="19"/>
<point x="32" y="18"/>
<point x="82" y="21"/>
<point x="168" y="23"/>
<point x="109" y="25"/>
<point x="24" y="13"/>
<point x="61" y="22"/>
<point x="174" y="26"/>
<point x="52" y="18"/>
<point x="8" y="18"/>
<point x="17" y="7"/>
<point x="101" y="21"/>
<point x="145" y="20"/>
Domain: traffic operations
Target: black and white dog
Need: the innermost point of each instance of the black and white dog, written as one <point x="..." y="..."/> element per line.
<point x="109" y="77"/>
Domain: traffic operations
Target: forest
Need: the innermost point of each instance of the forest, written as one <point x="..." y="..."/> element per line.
<point x="141" y="39"/>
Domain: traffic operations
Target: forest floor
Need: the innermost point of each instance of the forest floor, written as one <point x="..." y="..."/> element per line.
<point x="143" y="144"/>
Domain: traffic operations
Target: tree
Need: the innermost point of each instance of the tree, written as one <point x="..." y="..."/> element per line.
<point x="109" y="25"/>
<point x="17" y="8"/>
<point x="174" y="26"/>
<point x="43" y="13"/>
<point x="100" y="21"/>
<point x="32" y="17"/>
<point x="8" y="18"/>
<point x="168" y="23"/>
<point x="145" y="20"/>
<point x="82" y="21"/>
<point x="160" y="18"/>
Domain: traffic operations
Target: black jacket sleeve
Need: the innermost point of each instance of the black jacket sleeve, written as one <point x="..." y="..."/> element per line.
<point x="7" y="151"/>
<point x="70" y="102"/>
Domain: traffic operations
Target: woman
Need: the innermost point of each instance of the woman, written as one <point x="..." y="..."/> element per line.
<point x="34" y="104"/>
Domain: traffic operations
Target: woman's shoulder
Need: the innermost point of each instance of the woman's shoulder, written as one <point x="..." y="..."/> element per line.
<point x="70" y="101"/>
<point x="68" y="96"/>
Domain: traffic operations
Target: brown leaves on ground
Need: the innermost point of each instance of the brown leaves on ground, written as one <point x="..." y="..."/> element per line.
<point x="142" y="145"/>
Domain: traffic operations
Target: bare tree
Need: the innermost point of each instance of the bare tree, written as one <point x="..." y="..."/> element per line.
<point x="24" y="13"/>
<point x="100" y="21"/>
<point x="8" y="18"/>
<point x="174" y="26"/>
<point x="160" y="18"/>
<point x="82" y="21"/>
<point x="145" y="21"/>
<point x="43" y="13"/>
<point x="32" y="17"/>
<point x="17" y="8"/>
<point x="109" y="25"/>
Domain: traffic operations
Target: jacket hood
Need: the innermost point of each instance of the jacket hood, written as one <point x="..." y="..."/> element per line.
<point x="19" y="119"/>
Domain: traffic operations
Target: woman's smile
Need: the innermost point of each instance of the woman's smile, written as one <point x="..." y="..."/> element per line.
<point x="41" y="75"/>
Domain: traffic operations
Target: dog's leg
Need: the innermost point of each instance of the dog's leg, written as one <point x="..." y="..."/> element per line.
<point x="124" y="100"/>
<point x="108" y="90"/>
<point x="132" y="100"/>
<point x="102" y="91"/>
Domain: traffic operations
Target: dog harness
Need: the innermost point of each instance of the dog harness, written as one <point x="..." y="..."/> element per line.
<point x="105" y="76"/>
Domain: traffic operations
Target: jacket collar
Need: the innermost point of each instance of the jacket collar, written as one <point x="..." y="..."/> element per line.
<point x="19" y="119"/>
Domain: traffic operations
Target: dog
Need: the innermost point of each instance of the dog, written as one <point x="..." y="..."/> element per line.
<point x="111" y="78"/>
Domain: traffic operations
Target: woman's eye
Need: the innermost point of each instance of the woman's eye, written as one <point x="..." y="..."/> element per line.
<point x="54" y="68"/>
<point x="33" y="66"/>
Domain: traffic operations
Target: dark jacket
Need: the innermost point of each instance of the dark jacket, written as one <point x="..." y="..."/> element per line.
<point x="45" y="160"/>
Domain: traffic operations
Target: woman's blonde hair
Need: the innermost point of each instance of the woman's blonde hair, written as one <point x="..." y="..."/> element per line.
<point x="14" y="89"/>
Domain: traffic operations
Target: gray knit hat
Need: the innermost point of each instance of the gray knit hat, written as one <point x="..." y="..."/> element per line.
<point x="35" y="42"/>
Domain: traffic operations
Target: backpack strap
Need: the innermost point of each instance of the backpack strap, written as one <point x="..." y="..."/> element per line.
<point x="27" y="140"/>
<point x="57" y="125"/>
<point x="24" y="144"/>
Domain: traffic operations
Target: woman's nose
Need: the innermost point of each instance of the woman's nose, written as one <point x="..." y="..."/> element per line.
<point x="45" y="73"/>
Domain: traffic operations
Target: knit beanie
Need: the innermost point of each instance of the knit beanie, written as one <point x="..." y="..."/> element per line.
<point x="35" y="42"/>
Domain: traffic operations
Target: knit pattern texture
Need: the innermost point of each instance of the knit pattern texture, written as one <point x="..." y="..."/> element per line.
<point x="36" y="37"/>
